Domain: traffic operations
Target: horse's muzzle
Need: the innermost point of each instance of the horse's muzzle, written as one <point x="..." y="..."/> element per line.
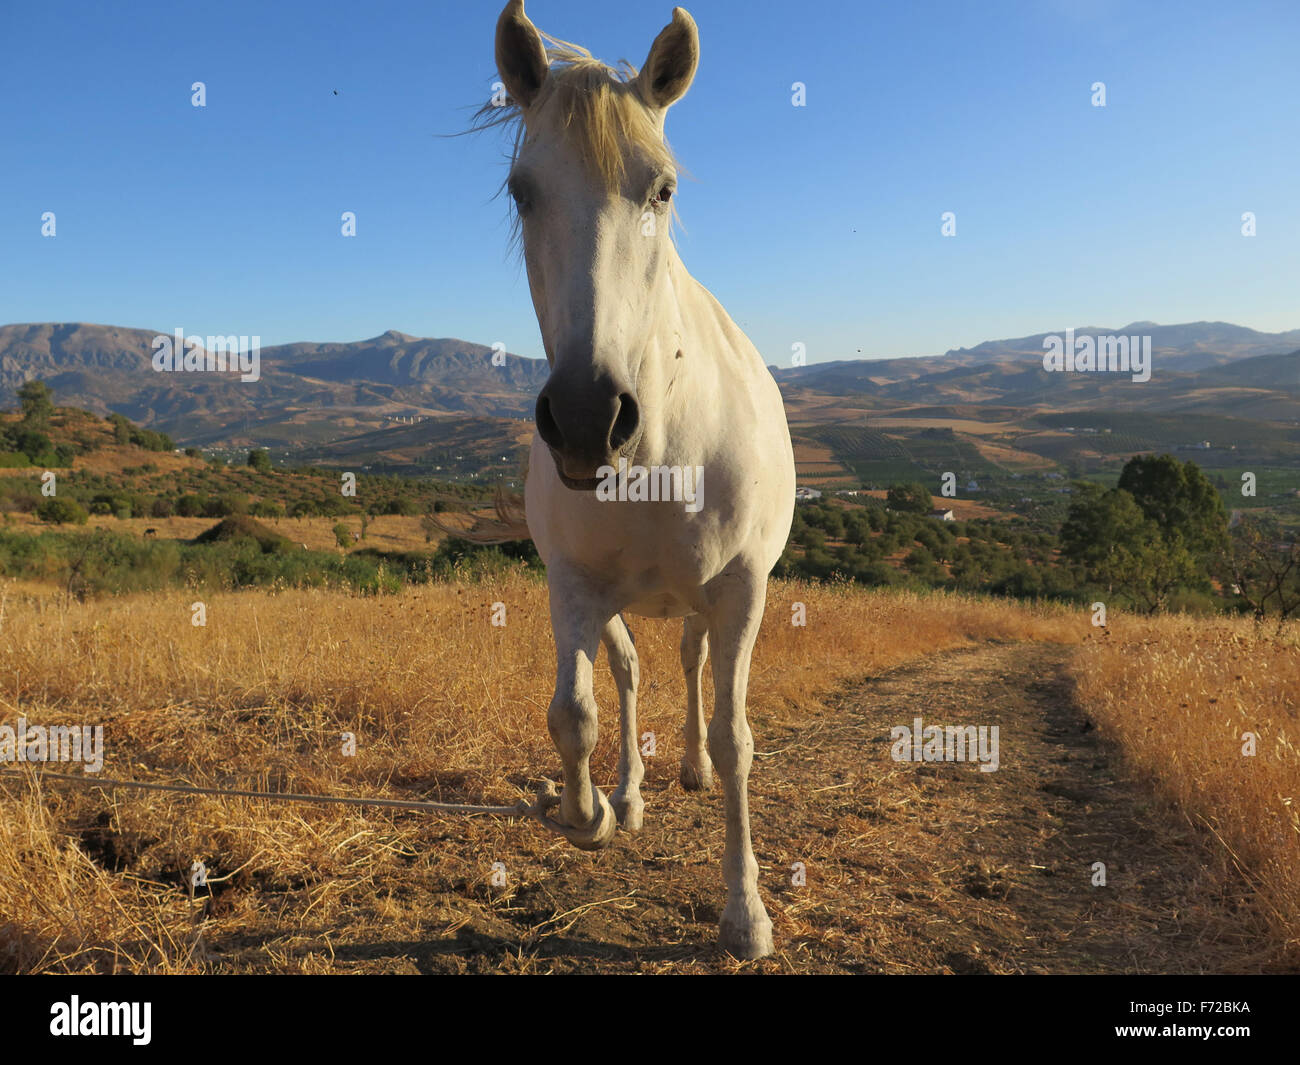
<point x="586" y="427"/>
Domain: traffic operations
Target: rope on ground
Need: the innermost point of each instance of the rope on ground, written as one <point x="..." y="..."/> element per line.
<point x="546" y="795"/>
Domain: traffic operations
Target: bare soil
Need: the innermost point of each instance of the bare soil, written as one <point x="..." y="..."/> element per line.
<point x="910" y="867"/>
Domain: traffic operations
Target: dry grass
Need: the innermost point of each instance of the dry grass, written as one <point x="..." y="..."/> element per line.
<point x="443" y="704"/>
<point x="1177" y="695"/>
<point x="385" y="532"/>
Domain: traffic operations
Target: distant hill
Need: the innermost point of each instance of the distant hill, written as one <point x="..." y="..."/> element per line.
<point x="330" y="399"/>
<point x="308" y="392"/>
<point x="1186" y="347"/>
<point x="1261" y="387"/>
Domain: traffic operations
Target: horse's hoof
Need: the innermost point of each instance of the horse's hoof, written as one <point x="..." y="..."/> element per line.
<point x="630" y="810"/>
<point x="592" y="837"/>
<point x="745" y="930"/>
<point x="694" y="779"/>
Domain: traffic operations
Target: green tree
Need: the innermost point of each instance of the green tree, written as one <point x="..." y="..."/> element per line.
<point x="1122" y="551"/>
<point x="403" y="505"/>
<point x="1180" y="499"/>
<point x="912" y="498"/>
<point x="260" y="460"/>
<point x="266" y="508"/>
<point x="34" y="444"/>
<point x="121" y="428"/>
<point x="36" y="402"/>
<point x="61" y="512"/>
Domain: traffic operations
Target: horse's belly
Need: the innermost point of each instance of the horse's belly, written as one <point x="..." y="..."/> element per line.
<point x="665" y="605"/>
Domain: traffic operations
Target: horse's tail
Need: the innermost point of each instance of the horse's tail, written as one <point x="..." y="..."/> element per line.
<point x="508" y="523"/>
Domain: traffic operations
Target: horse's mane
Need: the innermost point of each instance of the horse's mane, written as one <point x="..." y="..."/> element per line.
<point x="601" y="111"/>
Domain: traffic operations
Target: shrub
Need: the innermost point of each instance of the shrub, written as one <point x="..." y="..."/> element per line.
<point x="242" y="527"/>
<point x="61" y="512"/>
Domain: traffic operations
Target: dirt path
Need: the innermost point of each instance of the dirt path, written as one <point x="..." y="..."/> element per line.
<point x="910" y="867"/>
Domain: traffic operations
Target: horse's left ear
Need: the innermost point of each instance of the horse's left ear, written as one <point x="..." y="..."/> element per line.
<point x="670" y="67"/>
<point x="521" y="55"/>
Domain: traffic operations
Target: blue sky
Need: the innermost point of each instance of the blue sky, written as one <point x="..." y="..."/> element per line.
<point x="818" y="225"/>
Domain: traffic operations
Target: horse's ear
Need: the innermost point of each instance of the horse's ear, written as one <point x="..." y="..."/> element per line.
<point x="521" y="55"/>
<point x="670" y="67"/>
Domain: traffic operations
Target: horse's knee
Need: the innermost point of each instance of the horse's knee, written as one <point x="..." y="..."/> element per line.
<point x="624" y="665"/>
<point x="695" y="649"/>
<point x="571" y="721"/>
<point x="731" y="746"/>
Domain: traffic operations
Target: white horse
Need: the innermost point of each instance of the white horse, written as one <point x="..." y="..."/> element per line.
<point x="646" y="367"/>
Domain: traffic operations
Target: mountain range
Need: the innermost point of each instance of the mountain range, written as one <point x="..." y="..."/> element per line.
<point x="311" y="394"/>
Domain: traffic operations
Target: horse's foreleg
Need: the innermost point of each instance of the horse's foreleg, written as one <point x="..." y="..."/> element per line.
<point x="626" y="799"/>
<point x="736" y="611"/>
<point x="586" y="817"/>
<point x="697" y="770"/>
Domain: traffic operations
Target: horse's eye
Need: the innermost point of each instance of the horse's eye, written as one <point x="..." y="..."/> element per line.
<point x="664" y="194"/>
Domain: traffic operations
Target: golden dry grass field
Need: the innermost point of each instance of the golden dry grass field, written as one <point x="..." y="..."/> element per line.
<point x="384" y="532"/>
<point x="909" y="867"/>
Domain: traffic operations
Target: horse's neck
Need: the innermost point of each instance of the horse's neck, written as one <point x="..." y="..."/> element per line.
<point x="716" y="363"/>
<point x="706" y="334"/>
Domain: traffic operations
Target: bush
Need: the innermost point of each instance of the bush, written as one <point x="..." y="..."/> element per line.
<point x="911" y="498"/>
<point x="61" y="512"/>
<point x="265" y="508"/>
<point x="332" y="506"/>
<point x="34" y="444"/>
<point x="404" y="505"/>
<point x="242" y="527"/>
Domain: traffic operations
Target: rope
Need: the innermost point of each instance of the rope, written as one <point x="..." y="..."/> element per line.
<point x="545" y="795"/>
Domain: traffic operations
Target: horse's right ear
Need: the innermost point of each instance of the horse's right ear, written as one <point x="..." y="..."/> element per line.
<point x="670" y="66"/>
<point x="521" y="55"/>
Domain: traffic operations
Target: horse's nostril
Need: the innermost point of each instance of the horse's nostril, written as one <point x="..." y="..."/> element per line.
<point x="626" y="423"/>
<point x="546" y="424"/>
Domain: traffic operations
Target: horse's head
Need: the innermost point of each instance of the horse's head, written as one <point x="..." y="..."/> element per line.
<point x="591" y="180"/>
